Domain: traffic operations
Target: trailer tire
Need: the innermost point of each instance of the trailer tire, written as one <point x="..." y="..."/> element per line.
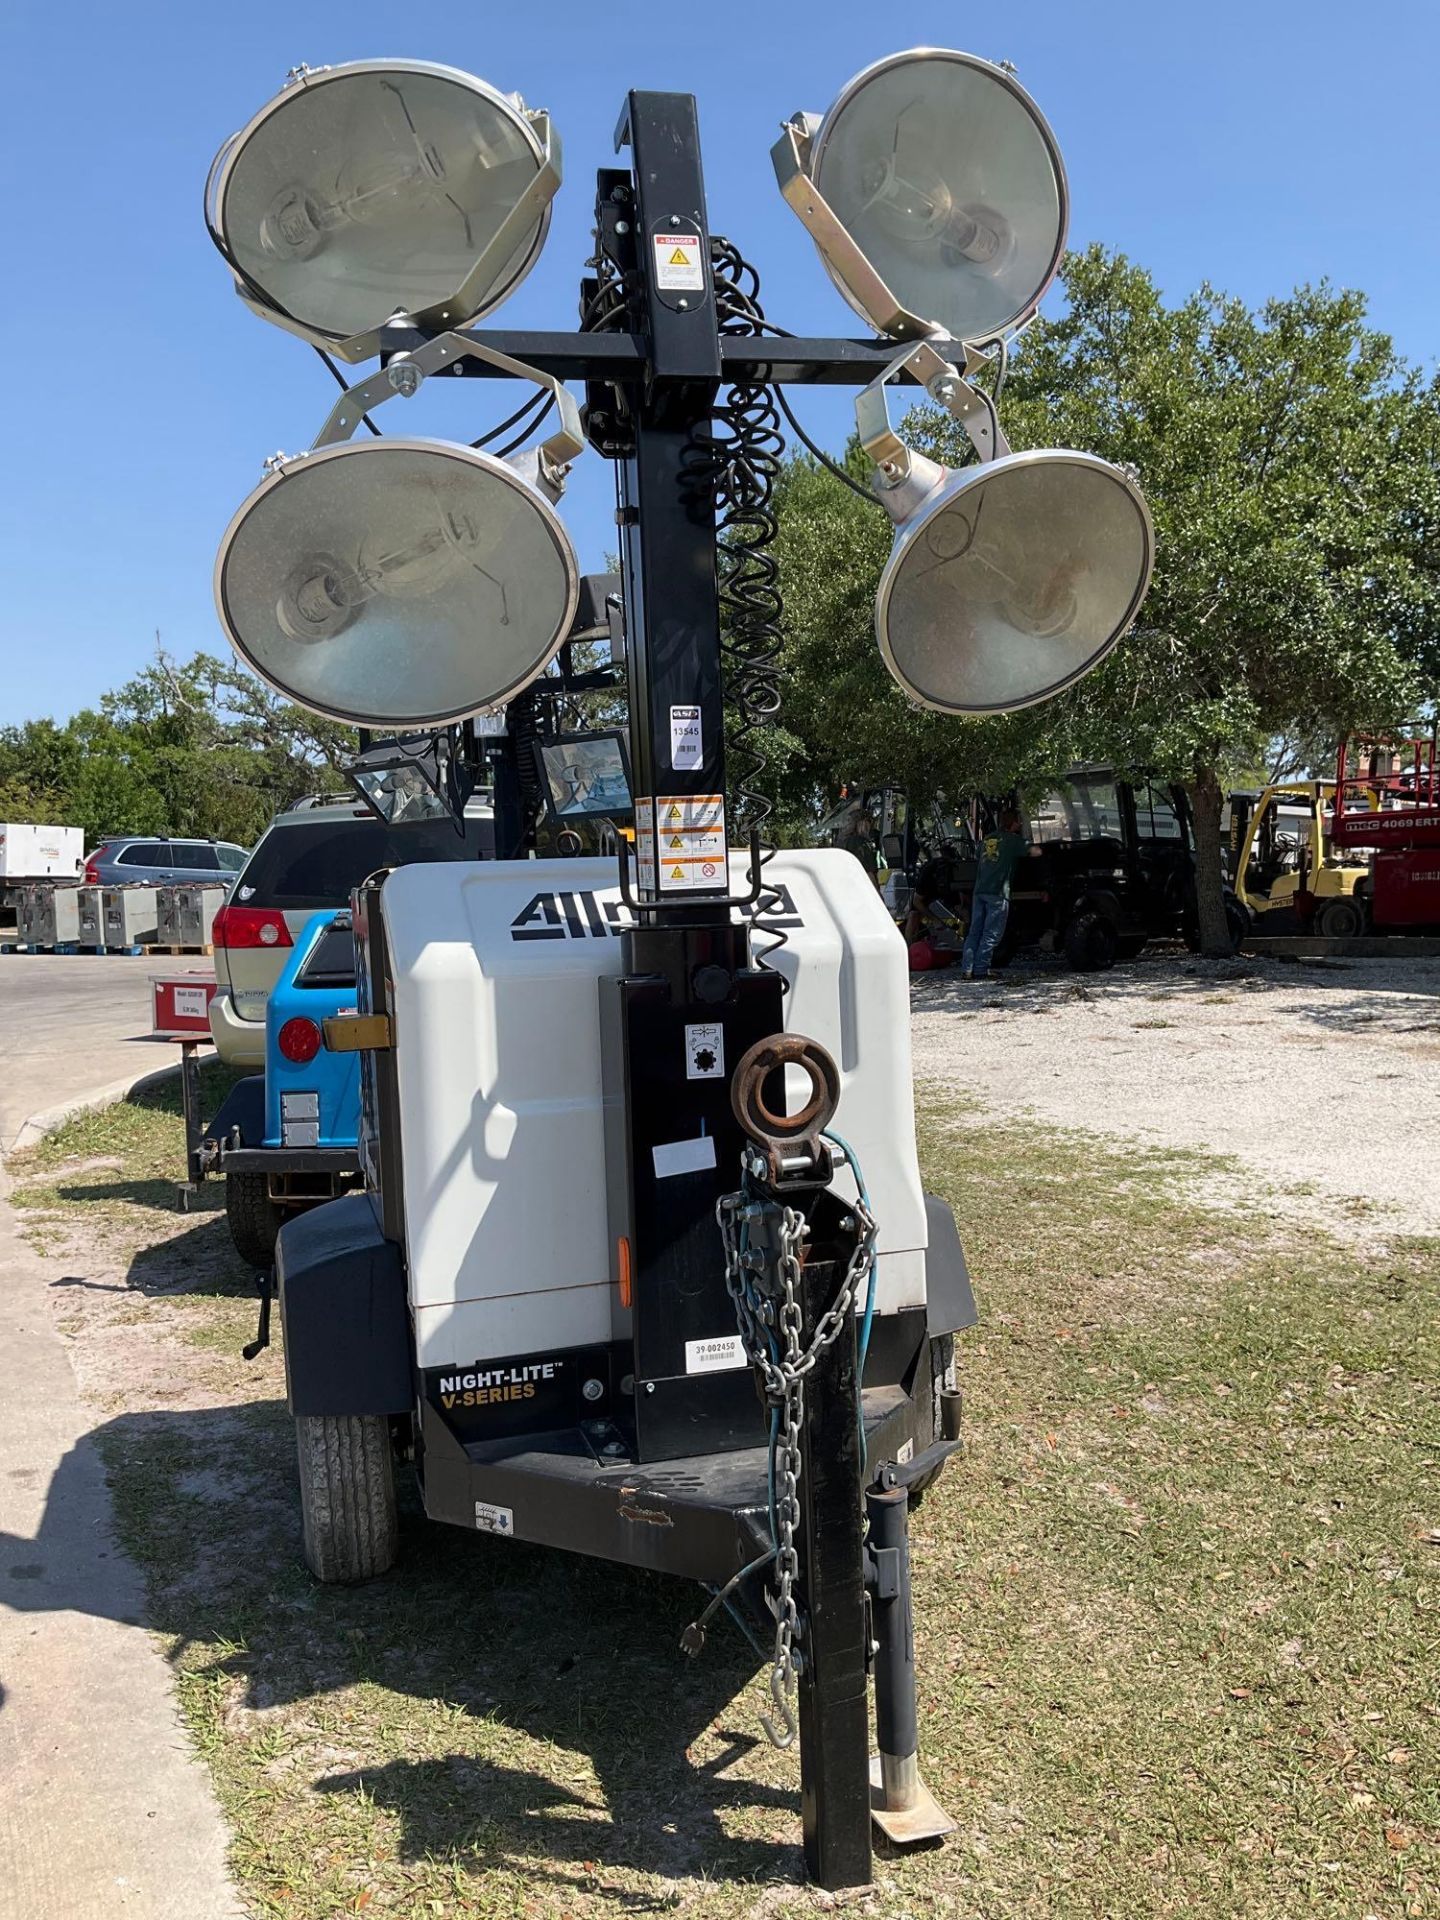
<point x="1091" y="941"/>
<point x="253" y="1218"/>
<point x="347" y="1495"/>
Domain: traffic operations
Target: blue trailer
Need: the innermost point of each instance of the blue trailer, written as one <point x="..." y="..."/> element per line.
<point x="286" y="1139"/>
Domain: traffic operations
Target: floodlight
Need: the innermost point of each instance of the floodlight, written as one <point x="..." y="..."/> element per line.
<point x="382" y="187"/>
<point x="1012" y="580"/>
<point x="1009" y="580"/>
<point x="396" y="583"/>
<point x="935" y="193"/>
<point x="412" y="779"/>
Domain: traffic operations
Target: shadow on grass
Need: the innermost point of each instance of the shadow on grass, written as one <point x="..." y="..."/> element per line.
<point x="157" y="1195"/>
<point x="514" y="1709"/>
<point x="1037" y="982"/>
<point x="199" y="1261"/>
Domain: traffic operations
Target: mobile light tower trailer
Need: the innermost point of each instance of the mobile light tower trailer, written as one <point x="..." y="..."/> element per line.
<point x="644" y="1269"/>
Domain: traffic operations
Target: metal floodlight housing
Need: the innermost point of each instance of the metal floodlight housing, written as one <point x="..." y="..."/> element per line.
<point x="412" y="779"/>
<point x="382" y="187"/>
<point x="397" y="584"/>
<point x="935" y="193"/>
<point x="1009" y="581"/>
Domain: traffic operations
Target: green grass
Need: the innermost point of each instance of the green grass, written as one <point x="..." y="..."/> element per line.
<point x="1177" y="1607"/>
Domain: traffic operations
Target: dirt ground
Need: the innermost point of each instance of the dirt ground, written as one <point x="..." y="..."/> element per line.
<point x="1319" y="1081"/>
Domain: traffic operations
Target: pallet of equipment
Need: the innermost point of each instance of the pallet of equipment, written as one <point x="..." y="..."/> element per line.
<point x="68" y="946"/>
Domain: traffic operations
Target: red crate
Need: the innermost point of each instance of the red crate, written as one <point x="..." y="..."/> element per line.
<point x="182" y="1005"/>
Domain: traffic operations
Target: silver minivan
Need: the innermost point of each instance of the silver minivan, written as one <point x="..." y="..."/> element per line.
<point x="308" y="858"/>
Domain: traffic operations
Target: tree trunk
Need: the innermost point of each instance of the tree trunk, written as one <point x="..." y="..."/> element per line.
<point x="1206" y="801"/>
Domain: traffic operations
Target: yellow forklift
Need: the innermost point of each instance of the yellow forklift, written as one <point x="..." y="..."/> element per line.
<point x="1286" y="873"/>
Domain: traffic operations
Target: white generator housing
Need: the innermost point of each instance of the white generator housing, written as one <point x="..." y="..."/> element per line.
<point x="496" y="1005"/>
<point x="40" y="853"/>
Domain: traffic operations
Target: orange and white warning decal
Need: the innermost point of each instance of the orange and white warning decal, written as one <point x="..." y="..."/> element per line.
<point x="689" y="843"/>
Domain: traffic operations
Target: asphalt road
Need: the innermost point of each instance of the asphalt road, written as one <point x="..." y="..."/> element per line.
<point x="72" y="1025"/>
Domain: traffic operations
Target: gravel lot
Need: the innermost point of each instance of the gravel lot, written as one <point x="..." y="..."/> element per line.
<point x="1320" y="1079"/>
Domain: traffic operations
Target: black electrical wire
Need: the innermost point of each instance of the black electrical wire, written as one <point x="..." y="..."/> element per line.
<point x="529" y="427"/>
<point x="338" y="377"/>
<point x="739" y="306"/>
<point x="505" y="425"/>
<point x="832" y="466"/>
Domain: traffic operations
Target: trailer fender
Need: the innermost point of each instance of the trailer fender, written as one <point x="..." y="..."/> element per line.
<point x="949" y="1300"/>
<point x="243" y="1109"/>
<point x="344" y="1312"/>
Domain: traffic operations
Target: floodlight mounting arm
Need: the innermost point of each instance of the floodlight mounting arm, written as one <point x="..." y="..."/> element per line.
<point x="903" y="475"/>
<point x="405" y="373"/>
<point x="791" y="157"/>
<point x="529" y="208"/>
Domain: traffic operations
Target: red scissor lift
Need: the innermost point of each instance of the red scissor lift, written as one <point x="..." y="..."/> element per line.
<point x="1388" y="804"/>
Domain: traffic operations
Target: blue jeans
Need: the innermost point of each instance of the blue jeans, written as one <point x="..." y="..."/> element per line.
<point x="988" y="914"/>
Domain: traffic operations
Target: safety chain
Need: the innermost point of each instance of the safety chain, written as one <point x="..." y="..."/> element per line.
<point x="764" y="1243"/>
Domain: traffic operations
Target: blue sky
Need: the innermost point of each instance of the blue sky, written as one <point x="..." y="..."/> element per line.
<point x="1256" y="145"/>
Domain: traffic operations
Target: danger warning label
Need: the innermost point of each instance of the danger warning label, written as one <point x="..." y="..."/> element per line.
<point x="692" y="850"/>
<point x="678" y="265"/>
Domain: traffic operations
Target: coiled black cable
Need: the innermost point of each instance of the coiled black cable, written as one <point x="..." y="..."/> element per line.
<point x="742" y="459"/>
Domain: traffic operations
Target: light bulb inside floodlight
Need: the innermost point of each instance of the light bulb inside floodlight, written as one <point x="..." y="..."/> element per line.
<point x="397" y="583"/>
<point x="379" y="187"/>
<point x="1011" y="580"/>
<point x="936" y="194"/>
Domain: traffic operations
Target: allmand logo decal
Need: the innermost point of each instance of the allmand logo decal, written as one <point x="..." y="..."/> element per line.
<point x="567" y="915"/>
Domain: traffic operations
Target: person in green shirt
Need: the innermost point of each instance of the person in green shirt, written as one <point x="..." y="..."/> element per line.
<point x="1000" y="854"/>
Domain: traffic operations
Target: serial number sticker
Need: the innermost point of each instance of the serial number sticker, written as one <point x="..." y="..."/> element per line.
<point x="678" y="267"/>
<point x="722" y="1354"/>
<point x="490" y="1519"/>
<point x="687" y="738"/>
<point x="904" y="1453"/>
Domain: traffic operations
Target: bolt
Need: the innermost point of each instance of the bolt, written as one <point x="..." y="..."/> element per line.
<point x="622" y="226"/>
<point x="593" y="1389"/>
<point x="404" y="376"/>
<point x="674" y="219"/>
<point x="943" y="387"/>
<point x="683" y="305"/>
<point x="649" y="1386"/>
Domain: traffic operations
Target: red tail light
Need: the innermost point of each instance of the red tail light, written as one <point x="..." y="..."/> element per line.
<point x="91" y="875"/>
<point x="250" y="927"/>
<point x="299" y="1040"/>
